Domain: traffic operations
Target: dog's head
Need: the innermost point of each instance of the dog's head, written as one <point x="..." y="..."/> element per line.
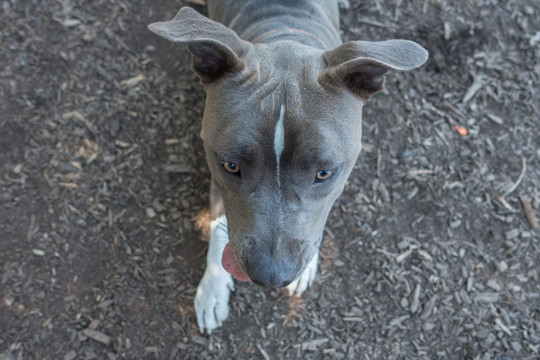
<point x="282" y="131"/>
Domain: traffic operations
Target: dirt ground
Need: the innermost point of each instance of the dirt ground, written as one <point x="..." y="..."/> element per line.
<point x="428" y="254"/>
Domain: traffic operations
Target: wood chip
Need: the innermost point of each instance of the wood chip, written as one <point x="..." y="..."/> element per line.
<point x="198" y="2"/>
<point x="529" y="212"/>
<point x="415" y="302"/>
<point x="97" y="336"/>
<point x="68" y="23"/>
<point x="313" y="344"/>
<point x="171" y="142"/>
<point x="428" y="308"/>
<point x="405" y="254"/>
<point x="70" y="355"/>
<point x="17" y="168"/>
<point x="353" y="319"/>
<point x="493" y="284"/>
<point x="502" y="327"/>
<point x="68" y="185"/>
<point x="263" y="352"/>
<point x="487" y="297"/>
<point x="38" y="252"/>
<point x="397" y="321"/>
<point x="179" y="169"/>
<point x="151" y="213"/>
<point x="133" y="81"/>
<point x="80" y="117"/>
<point x="122" y="144"/>
<point x="496" y="119"/>
<point x="477" y="84"/>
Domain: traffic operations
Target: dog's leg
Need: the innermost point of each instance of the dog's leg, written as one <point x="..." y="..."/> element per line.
<point x="212" y="296"/>
<point x="298" y="286"/>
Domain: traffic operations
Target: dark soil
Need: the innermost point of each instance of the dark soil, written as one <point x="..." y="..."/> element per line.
<point x="428" y="254"/>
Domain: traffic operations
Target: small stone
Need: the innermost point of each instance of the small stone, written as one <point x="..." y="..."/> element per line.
<point x="490" y="339"/>
<point x="158" y="206"/>
<point x="509" y="244"/>
<point x="455" y="224"/>
<point x="17" y="168"/>
<point x="151" y="213"/>
<point x="516" y="346"/>
<point x="87" y="37"/>
<point x="404" y="303"/>
<point x="482" y="334"/>
<point x="502" y="266"/>
<point x="512" y="234"/>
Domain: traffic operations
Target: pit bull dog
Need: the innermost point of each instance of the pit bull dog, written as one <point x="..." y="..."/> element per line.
<point x="281" y="131"/>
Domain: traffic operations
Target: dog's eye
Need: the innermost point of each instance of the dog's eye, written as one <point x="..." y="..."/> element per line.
<point x="231" y="167"/>
<point x="323" y="175"/>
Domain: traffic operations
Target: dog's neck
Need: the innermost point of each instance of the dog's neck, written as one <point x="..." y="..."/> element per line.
<point x="287" y="32"/>
<point x="258" y="23"/>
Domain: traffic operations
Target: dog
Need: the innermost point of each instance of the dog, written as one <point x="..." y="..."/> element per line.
<point x="281" y="131"/>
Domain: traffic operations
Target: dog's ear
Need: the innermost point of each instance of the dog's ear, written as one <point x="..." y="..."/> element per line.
<point x="216" y="49"/>
<point x="360" y="65"/>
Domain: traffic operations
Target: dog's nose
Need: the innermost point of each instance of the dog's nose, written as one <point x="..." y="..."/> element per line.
<point x="260" y="283"/>
<point x="270" y="271"/>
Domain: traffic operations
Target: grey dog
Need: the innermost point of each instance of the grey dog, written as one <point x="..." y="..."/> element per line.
<point x="281" y="130"/>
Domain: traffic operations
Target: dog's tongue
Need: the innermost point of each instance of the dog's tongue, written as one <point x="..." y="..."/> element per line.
<point x="231" y="265"/>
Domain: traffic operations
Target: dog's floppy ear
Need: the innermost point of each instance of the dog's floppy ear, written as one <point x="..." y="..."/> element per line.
<point x="361" y="65"/>
<point x="216" y="49"/>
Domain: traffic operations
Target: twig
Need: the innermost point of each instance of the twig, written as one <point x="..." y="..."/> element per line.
<point x="198" y="2"/>
<point x="31" y="227"/>
<point x="507" y="205"/>
<point x="477" y="84"/>
<point x="377" y="24"/>
<point x="514" y="186"/>
<point x="441" y="135"/>
<point x="379" y="160"/>
<point x="455" y="110"/>
<point x="518" y="181"/>
<point x="263" y="352"/>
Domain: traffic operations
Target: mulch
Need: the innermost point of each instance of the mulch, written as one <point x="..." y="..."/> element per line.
<point x="432" y="251"/>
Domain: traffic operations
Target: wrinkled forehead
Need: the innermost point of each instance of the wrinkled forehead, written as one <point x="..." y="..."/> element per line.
<point x="313" y="131"/>
<point x="247" y="108"/>
<point x="239" y="116"/>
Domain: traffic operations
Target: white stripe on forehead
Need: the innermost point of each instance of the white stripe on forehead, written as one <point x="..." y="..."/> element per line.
<point x="279" y="138"/>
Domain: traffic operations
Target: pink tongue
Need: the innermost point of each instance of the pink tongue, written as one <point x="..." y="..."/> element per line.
<point x="231" y="265"/>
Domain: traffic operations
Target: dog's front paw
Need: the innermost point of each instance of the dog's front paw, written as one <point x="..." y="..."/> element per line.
<point x="212" y="299"/>
<point x="298" y="286"/>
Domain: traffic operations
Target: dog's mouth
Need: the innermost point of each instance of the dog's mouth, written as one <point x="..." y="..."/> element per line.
<point x="230" y="264"/>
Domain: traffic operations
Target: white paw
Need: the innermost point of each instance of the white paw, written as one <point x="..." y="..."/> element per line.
<point x="212" y="300"/>
<point x="298" y="286"/>
<point x="212" y="296"/>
